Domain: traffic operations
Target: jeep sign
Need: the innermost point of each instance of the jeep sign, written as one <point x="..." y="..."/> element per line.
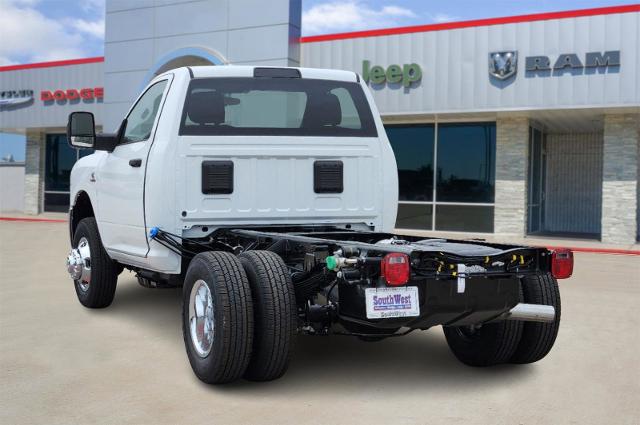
<point x="394" y="74"/>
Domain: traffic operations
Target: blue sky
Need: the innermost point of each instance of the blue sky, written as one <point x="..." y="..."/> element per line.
<point x="44" y="30"/>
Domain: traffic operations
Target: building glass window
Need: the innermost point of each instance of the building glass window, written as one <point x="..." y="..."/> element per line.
<point x="59" y="160"/>
<point x="414" y="216"/>
<point x="464" y="160"/>
<point x="413" y="147"/>
<point x="464" y="218"/>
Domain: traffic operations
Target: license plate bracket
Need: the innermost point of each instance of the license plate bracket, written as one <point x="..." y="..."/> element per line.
<point x="384" y="303"/>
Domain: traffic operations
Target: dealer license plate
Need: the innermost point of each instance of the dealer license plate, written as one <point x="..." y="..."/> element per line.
<point x="383" y="303"/>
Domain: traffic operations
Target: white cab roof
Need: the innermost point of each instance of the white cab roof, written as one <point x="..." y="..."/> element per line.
<point x="247" y="71"/>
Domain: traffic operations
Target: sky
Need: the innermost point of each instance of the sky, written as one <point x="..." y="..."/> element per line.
<point x="45" y="30"/>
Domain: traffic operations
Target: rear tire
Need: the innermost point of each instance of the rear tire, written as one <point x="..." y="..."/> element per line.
<point x="487" y="345"/>
<point x="218" y="342"/>
<point x="275" y="314"/>
<point x="538" y="338"/>
<point x="101" y="288"/>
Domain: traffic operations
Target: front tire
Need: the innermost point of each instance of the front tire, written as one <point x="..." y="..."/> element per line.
<point x="217" y="317"/>
<point x="97" y="285"/>
<point x="275" y="314"/>
<point x="538" y="338"/>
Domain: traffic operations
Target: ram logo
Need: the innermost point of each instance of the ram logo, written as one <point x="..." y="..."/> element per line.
<point x="503" y="65"/>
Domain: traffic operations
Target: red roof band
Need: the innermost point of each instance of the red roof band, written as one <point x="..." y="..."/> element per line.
<point x="475" y="23"/>
<point x="52" y="63"/>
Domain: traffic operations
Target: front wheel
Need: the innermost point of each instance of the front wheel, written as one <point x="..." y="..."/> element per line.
<point x="94" y="274"/>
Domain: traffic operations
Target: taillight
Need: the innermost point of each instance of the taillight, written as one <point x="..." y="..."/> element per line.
<point x="562" y="263"/>
<point x="394" y="268"/>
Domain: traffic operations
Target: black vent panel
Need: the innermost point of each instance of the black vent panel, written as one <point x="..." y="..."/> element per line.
<point x="328" y="177"/>
<point x="217" y="177"/>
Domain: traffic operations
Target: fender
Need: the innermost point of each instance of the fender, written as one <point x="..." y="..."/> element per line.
<point x="82" y="181"/>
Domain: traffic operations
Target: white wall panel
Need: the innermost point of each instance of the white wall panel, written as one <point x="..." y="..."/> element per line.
<point x="12" y="187"/>
<point x="244" y="13"/>
<point x="133" y="24"/>
<point x="194" y="17"/>
<point x="50" y="114"/>
<point x="455" y="65"/>
<point x="136" y="54"/>
<point x="168" y="44"/>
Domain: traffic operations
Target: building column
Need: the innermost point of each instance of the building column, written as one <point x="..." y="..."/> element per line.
<point x="512" y="146"/>
<point x="34" y="173"/>
<point x="620" y="179"/>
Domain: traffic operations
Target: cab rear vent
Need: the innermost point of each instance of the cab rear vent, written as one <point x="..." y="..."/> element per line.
<point x="327" y="177"/>
<point x="217" y="177"/>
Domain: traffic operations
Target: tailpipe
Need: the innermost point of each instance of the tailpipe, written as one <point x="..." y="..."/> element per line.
<point x="530" y="313"/>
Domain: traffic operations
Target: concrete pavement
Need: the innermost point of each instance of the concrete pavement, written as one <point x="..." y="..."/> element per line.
<point x="62" y="364"/>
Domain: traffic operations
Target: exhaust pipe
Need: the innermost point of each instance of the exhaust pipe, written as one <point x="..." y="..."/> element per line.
<point x="530" y="313"/>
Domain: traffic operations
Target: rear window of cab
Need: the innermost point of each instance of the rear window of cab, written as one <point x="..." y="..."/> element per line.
<point x="276" y="106"/>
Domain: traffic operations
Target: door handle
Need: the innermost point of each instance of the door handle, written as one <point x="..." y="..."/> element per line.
<point x="135" y="162"/>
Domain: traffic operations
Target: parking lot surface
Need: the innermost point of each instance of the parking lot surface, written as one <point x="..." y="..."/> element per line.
<point x="61" y="363"/>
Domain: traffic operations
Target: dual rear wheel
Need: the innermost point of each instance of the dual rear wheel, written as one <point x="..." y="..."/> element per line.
<point x="510" y="341"/>
<point x="239" y="316"/>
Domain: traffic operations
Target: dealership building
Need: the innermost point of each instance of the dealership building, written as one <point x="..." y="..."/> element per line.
<point x="523" y="125"/>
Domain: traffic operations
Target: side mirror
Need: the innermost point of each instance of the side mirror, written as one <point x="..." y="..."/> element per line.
<point x="109" y="141"/>
<point x="81" y="130"/>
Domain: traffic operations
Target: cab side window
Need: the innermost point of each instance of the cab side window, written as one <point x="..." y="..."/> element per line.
<point x="143" y="115"/>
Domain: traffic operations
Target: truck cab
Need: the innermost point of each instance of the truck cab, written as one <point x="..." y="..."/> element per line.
<point x="206" y="147"/>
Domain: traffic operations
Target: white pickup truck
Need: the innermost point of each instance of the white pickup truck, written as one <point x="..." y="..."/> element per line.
<point x="270" y="195"/>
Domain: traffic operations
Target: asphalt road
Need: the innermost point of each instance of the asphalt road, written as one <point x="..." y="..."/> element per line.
<point x="62" y="364"/>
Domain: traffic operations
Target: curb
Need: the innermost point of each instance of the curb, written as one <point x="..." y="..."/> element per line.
<point x="33" y="220"/>
<point x="613" y="251"/>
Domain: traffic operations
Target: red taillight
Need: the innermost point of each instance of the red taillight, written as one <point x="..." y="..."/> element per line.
<point x="562" y="263"/>
<point x="394" y="268"/>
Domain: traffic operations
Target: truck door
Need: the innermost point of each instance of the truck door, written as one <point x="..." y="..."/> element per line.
<point x="120" y="177"/>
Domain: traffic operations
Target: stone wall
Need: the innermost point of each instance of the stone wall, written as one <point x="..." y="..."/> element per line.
<point x="512" y="145"/>
<point x="34" y="173"/>
<point x="620" y="179"/>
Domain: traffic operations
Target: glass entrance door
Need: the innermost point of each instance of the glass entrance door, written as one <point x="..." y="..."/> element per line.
<point x="59" y="159"/>
<point x="537" y="180"/>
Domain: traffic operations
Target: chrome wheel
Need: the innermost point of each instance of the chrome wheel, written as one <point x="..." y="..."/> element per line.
<point x="201" y="320"/>
<point x="79" y="264"/>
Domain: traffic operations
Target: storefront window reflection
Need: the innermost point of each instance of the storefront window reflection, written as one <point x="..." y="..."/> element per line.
<point x="59" y="160"/>
<point x="465" y="175"/>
